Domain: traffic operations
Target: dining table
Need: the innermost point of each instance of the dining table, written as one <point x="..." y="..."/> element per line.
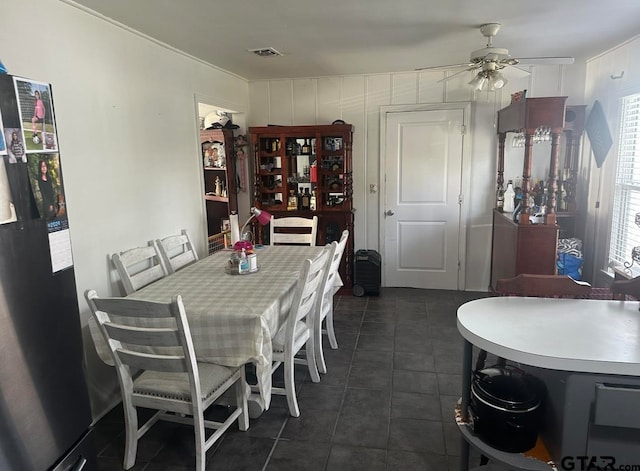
<point x="232" y="317"/>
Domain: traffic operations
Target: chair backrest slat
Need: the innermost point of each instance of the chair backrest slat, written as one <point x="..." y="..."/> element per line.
<point x="150" y="361"/>
<point x="139" y="267"/>
<point x="125" y="307"/>
<point x="543" y="286"/>
<point x="306" y="230"/>
<point x="177" y="251"/>
<point x="156" y="337"/>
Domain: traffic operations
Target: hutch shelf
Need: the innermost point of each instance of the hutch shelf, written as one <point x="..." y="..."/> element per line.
<point x="306" y="171"/>
<point x="220" y="189"/>
<point x="520" y="243"/>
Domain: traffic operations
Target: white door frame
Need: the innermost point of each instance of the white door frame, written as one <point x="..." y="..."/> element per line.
<point x="465" y="177"/>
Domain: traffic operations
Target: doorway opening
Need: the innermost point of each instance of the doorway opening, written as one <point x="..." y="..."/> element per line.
<point x="223" y="157"/>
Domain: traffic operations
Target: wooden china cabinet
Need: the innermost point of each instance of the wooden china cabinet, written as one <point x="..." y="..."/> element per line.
<point x="219" y="173"/>
<point x="518" y="244"/>
<point x="306" y="171"/>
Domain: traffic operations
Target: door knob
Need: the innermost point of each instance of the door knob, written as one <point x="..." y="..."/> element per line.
<point x="389" y="213"/>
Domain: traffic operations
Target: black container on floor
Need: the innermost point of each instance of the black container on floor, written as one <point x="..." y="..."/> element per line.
<point x="506" y="407"/>
<point x="367" y="273"/>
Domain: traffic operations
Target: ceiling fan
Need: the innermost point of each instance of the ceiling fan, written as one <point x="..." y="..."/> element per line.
<point x="490" y="61"/>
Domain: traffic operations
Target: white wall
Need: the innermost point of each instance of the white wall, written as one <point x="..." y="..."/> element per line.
<point x="128" y="137"/>
<point x="622" y="64"/>
<point x="357" y="100"/>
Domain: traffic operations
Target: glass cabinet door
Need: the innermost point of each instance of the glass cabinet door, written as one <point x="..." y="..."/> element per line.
<point x="271" y="189"/>
<point x="302" y="181"/>
<point x="332" y="188"/>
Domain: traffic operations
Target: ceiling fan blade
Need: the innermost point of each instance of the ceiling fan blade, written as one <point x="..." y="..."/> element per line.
<point x="442" y="67"/>
<point x="516" y="72"/>
<point x="456" y="74"/>
<point x="546" y="60"/>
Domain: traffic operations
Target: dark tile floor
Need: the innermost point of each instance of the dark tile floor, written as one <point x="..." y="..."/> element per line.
<point x="386" y="402"/>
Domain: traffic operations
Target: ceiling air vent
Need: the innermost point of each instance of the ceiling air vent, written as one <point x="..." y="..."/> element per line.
<point x="265" y="52"/>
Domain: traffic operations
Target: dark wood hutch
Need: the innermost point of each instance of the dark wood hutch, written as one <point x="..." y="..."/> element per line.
<point x="518" y="245"/>
<point x="314" y="162"/>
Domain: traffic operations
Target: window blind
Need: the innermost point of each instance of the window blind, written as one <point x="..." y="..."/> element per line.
<point x="625" y="232"/>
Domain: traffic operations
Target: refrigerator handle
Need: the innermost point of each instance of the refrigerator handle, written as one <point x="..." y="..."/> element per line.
<point x="79" y="464"/>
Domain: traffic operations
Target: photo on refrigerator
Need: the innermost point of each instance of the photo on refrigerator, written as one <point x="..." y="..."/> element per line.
<point x="36" y="115"/>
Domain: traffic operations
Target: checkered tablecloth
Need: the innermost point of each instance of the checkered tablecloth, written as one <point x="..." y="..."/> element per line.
<point x="233" y="317"/>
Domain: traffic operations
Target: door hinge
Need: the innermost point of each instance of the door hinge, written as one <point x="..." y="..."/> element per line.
<point x="460" y="199"/>
<point x="463" y="129"/>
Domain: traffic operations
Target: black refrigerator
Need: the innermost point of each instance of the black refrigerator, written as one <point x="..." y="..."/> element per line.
<point x="45" y="417"/>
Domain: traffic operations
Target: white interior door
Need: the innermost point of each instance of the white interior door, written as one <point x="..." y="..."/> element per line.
<point x="422" y="198"/>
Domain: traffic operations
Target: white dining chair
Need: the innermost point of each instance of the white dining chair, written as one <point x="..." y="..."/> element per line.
<point x="139" y="266"/>
<point x="296" y="333"/>
<point x="102" y="349"/>
<point x="324" y="311"/>
<point x="177" y="251"/>
<point x="167" y="378"/>
<point x="293" y="230"/>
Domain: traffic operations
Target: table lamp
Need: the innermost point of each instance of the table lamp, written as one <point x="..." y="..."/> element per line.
<point x="263" y="218"/>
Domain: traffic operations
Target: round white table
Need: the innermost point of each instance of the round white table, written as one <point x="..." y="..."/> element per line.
<point x="574" y="335"/>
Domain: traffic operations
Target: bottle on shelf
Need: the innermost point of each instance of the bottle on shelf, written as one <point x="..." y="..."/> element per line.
<point x="306" y="148"/>
<point x="500" y="199"/>
<point x="535" y="191"/>
<point x="509" y="198"/>
<point x="306" y="199"/>
<point x="313" y="172"/>
<point x="562" y="197"/>
<point x="292" y="202"/>
<point x="543" y="198"/>
<point x="312" y="200"/>
<point x="518" y="189"/>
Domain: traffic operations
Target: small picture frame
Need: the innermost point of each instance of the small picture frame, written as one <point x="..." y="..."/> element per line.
<point x="518" y="96"/>
<point x="226" y="225"/>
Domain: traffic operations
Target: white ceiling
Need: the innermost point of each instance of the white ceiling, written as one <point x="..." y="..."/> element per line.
<point x="340" y="37"/>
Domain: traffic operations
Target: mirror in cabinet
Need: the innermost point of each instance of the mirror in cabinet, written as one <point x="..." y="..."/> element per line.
<point x="551" y="167"/>
<point x="533" y="120"/>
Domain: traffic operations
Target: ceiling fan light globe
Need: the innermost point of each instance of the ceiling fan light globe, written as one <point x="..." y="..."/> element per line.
<point x="497" y="81"/>
<point x="478" y="82"/>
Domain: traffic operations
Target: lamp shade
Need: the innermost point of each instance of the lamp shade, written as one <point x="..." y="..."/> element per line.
<point x="262" y="216"/>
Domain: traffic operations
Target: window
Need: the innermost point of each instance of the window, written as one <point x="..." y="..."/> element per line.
<point x="625" y="225"/>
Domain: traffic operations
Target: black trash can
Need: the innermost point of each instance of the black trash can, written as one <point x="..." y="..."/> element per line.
<point x="367" y="273"/>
